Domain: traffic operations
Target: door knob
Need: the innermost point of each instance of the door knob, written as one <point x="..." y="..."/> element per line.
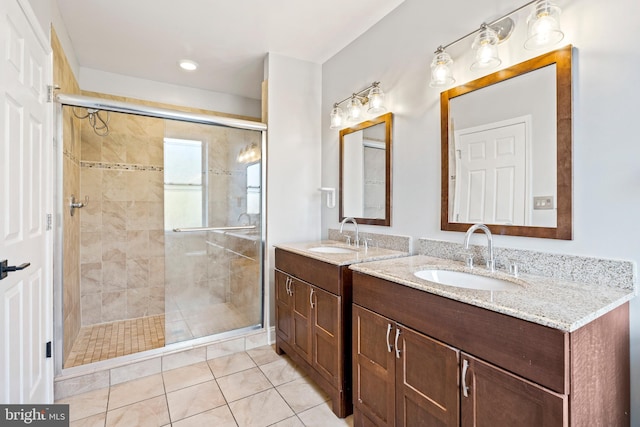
<point x="6" y="268"/>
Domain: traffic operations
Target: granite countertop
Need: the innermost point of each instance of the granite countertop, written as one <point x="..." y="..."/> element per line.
<point x="353" y="256"/>
<point x="547" y="301"/>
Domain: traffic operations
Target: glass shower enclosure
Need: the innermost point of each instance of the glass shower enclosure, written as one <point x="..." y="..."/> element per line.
<point x="168" y="228"/>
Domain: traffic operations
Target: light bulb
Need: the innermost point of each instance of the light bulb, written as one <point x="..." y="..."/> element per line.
<point x="440" y="72"/>
<point x="376" y="100"/>
<point x="337" y="117"/>
<point x="485" y="45"/>
<point x="543" y="26"/>
<point x="354" y="111"/>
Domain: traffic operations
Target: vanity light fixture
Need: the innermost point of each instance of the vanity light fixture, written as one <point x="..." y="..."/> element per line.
<point x="376" y="100"/>
<point x="371" y="97"/>
<point x="441" y="74"/>
<point x="543" y="31"/>
<point x="543" y="26"/>
<point x="485" y="46"/>
<point x="188" y="65"/>
<point x="354" y="110"/>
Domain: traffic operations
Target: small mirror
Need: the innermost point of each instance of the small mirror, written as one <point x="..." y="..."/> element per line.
<point x="365" y="171"/>
<point x="506" y="150"/>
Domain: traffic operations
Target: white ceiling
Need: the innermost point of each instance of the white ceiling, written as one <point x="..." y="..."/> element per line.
<point x="228" y="38"/>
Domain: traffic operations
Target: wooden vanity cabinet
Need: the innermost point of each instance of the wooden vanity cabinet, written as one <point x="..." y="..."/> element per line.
<point x="424" y="360"/>
<point x="312" y="327"/>
<point x="401" y="377"/>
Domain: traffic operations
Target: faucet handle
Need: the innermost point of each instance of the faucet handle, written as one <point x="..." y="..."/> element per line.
<point x="348" y="240"/>
<point x="468" y="259"/>
<point x="513" y="269"/>
<point x="366" y="243"/>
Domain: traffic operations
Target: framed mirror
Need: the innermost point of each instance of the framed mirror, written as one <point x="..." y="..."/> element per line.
<point x="506" y="150"/>
<point x="365" y="171"/>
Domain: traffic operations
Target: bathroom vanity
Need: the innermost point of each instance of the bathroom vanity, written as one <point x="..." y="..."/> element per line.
<point x="546" y="354"/>
<point x="313" y="311"/>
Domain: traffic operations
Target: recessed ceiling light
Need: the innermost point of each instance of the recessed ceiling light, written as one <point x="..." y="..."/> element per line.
<point x="188" y="65"/>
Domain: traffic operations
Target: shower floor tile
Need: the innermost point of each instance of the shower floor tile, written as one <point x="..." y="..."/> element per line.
<point x="108" y="340"/>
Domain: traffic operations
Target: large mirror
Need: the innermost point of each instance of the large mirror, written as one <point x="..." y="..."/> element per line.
<point x="506" y="150"/>
<point x="365" y="171"/>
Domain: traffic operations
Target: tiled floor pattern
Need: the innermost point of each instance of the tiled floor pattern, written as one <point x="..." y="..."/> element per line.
<point x="108" y="340"/>
<point x="256" y="388"/>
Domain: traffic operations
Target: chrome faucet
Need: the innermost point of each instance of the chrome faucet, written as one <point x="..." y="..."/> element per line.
<point x="357" y="239"/>
<point x="491" y="264"/>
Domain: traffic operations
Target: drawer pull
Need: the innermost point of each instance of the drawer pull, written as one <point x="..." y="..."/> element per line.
<point x="388" y="333"/>
<point x="311" y="298"/>
<point x="396" y="343"/>
<point x="465" y="367"/>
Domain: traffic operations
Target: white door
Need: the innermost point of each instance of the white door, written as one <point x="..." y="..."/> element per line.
<point x="26" y="374"/>
<point x="491" y="184"/>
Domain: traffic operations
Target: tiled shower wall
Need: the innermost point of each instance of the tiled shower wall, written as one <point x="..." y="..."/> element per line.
<point x="122" y="228"/>
<point x="122" y="238"/>
<point x="71" y="320"/>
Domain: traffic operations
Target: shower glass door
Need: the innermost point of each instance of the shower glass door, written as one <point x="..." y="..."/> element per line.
<point x="213" y="230"/>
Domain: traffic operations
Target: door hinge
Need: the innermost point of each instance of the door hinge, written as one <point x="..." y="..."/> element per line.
<point x="49" y="222"/>
<point x="50" y="92"/>
<point x="48" y="349"/>
<point x="459" y="154"/>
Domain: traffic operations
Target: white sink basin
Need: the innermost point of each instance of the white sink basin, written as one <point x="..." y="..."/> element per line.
<point x="461" y="279"/>
<point x="330" y="250"/>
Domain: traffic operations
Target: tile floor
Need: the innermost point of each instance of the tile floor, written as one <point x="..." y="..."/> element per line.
<point x="256" y="388"/>
<point x="109" y="340"/>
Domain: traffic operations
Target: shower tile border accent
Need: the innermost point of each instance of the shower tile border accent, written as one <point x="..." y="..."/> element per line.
<point x="120" y="166"/>
<point x="580" y="269"/>
<point x="69" y="155"/>
<point x="387" y="241"/>
<point x="93" y="377"/>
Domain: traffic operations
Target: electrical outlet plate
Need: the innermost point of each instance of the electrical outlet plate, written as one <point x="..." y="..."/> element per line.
<point x="543" y="202"/>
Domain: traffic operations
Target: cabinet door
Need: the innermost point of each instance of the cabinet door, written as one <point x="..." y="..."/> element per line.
<point x="427" y="390"/>
<point x="301" y="309"/>
<point x="374" y="369"/>
<point x="327" y="335"/>
<point x="495" y="397"/>
<point x="284" y="319"/>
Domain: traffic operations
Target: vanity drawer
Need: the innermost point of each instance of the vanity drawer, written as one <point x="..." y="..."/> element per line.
<point x="324" y="275"/>
<point x="532" y="351"/>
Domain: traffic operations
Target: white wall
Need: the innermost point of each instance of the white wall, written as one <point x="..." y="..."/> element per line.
<point x="132" y="87"/>
<point x="398" y="52"/>
<point x="293" y="154"/>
